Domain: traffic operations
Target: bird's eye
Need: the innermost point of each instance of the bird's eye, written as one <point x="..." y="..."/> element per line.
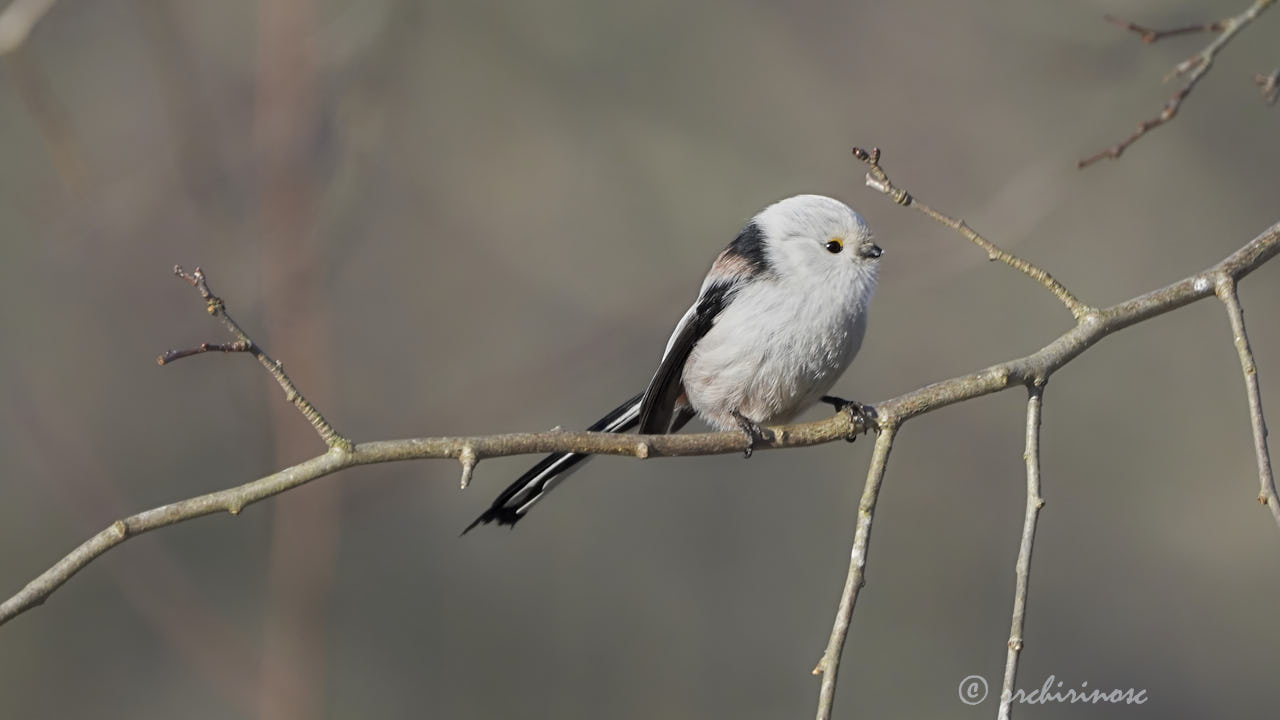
<point x="834" y="245"/>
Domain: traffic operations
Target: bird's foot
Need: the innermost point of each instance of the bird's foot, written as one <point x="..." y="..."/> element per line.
<point x="756" y="435"/>
<point x="862" y="416"/>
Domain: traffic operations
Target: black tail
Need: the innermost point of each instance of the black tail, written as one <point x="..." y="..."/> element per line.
<point x="530" y="487"/>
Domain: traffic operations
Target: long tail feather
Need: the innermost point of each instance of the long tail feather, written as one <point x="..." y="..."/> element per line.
<point x="529" y="488"/>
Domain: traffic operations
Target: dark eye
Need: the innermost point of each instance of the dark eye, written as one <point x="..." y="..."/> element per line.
<point x="834" y="245"/>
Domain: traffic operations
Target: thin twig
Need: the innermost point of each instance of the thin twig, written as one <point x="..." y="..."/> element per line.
<point x="878" y="180"/>
<point x="829" y="665"/>
<point x="1225" y="287"/>
<point x="1035" y="398"/>
<point x="1194" y="68"/>
<point x="891" y="413"/>
<point x="244" y="343"/>
<point x="1269" y="85"/>
<point x="231" y="347"/>
<point x="17" y="20"/>
<point x="1149" y="35"/>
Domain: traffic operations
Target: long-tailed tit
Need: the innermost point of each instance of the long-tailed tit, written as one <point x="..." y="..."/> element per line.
<point x="780" y="316"/>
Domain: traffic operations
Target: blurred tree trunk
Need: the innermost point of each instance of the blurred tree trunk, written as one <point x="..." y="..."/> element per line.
<point x="305" y="526"/>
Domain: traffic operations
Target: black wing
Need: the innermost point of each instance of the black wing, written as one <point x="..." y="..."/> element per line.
<point x="658" y="406"/>
<point x="654" y="410"/>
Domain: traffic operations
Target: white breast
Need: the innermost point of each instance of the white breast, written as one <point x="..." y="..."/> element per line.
<point x="773" y="352"/>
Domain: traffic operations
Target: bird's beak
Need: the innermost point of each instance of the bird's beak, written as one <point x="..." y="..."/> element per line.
<point x="871" y="251"/>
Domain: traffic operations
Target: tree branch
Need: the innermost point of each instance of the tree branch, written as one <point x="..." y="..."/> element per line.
<point x="244" y="343"/>
<point x="1226" y="291"/>
<point x="1032" y="371"/>
<point x="878" y="180"/>
<point x="1194" y="67"/>
<point x="233" y="500"/>
<point x="1035" y="398"/>
<point x="892" y="413"/>
<point x="829" y="665"/>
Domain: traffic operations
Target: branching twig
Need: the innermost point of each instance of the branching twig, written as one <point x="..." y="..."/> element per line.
<point x="878" y="180"/>
<point x="829" y="665"/>
<point x="892" y="413"/>
<point x="1149" y="35"/>
<point x="233" y="500"/>
<point x="1033" y="371"/>
<point x="1225" y="287"/>
<point x="1269" y="85"/>
<point x="1035" y="398"/>
<point x="244" y="343"/>
<point x="1193" y="67"/>
<point x="17" y="20"/>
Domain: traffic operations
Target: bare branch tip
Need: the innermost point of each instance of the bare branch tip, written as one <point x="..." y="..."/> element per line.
<point x="195" y="277"/>
<point x="871" y="157"/>
<point x="1145" y="34"/>
<point x="467" y="456"/>
<point x="1269" y="85"/>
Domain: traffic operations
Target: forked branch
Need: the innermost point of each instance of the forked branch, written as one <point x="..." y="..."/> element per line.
<point x="1034" y="371"/>
<point x="1030" y="371"/>
<point x="244" y="343"/>
<point x="1194" y="68"/>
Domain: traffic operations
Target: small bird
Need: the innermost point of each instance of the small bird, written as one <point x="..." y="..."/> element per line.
<point x="780" y="316"/>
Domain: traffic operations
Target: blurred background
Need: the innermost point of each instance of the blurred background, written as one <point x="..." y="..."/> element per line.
<point x="476" y="217"/>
